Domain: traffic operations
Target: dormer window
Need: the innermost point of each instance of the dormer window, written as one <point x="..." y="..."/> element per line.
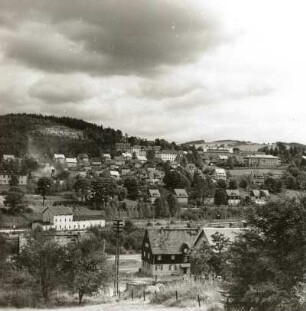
<point x="159" y="257"/>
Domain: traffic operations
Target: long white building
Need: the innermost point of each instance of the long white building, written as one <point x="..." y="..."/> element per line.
<point x="62" y="218"/>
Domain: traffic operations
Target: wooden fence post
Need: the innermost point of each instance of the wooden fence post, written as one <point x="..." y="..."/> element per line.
<point x="132" y="294"/>
<point x="176" y="296"/>
<point x="199" y="301"/>
<point x="144" y="295"/>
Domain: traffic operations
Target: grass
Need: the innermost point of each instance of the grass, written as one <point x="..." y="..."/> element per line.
<point x="188" y="293"/>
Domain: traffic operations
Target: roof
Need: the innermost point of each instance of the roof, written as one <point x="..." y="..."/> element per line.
<point x="229" y="233"/>
<point x="154" y="192"/>
<point x="263" y="156"/>
<point x="232" y="192"/>
<point x="59" y="210"/>
<point x="170" y="241"/>
<point x="71" y="160"/>
<point x="59" y="156"/>
<point x="142" y="158"/>
<point x="114" y="173"/>
<point x="220" y="170"/>
<point x="259" y="193"/>
<point x="88" y="217"/>
<point x="181" y="193"/>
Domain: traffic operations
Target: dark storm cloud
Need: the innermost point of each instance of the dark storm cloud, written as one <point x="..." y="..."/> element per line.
<point x="106" y="37"/>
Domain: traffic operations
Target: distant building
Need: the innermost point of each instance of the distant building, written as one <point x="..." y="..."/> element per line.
<point x="233" y="197"/>
<point x="216" y="153"/>
<point x="115" y="175"/>
<point x="219" y="173"/>
<point x="59" y="158"/>
<point x="62" y="218"/>
<point x="71" y="162"/>
<point x="166" y="251"/>
<point x="8" y="157"/>
<point x="83" y="159"/>
<point x="182" y="196"/>
<point x="167" y="155"/>
<point x="250" y="148"/>
<point x="206" y="234"/>
<point x="261" y="161"/>
<point x="123" y="147"/>
<point x="6" y="178"/>
<point x="142" y="159"/>
<point x="260" y="197"/>
<point x="257" y="177"/>
<point x="154" y="194"/>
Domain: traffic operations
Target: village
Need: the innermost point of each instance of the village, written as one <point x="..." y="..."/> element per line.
<point x="169" y="203"/>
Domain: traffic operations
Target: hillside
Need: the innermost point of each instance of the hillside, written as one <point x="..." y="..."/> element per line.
<point x="38" y="135"/>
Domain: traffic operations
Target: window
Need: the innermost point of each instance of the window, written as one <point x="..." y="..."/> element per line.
<point x="172" y="257"/>
<point x="146" y="244"/>
<point x="144" y="254"/>
<point x="159" y="257"/>
<point x="172" y="267"/>
<point x="148" y="255"/>
<point x="159" y="267"/>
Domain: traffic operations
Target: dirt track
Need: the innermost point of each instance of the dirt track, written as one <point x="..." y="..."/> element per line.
<point x="122" y="306"/>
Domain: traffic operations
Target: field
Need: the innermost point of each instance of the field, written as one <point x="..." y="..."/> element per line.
<point x="276" y="172"/>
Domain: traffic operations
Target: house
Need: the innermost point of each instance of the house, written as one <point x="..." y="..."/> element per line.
<point x="142" y="159"/>
<point x="6" y="178"/>
<point x="62" y="218"/>
<point x="123" y="147"/>
<point x="167" y="155"/>
<point x="96" y="161"/>
<point x="114" y="174"/>
<point x="219" y="173"/>
<point x="260" y="197"/>
<point x="83" y="159"/>
<point x="125" y="169"/>
<point x="206" y="235"/>
<point x="120" y="160"/>
<point x="106" y="157"/>
<point x="127" y="156"/>
<point x="8" y="157"/>
<point x="257" y="177"/>
<point x="182" y="196"/>
<point x="59" y="158"/>
<point x="166" y="251"/>
<point x="154" y="194"/>
<point x="71" y="162"/>
<point x="233" y="197"/>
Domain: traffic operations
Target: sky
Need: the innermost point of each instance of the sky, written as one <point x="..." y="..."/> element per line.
<point x="175" y="69"/>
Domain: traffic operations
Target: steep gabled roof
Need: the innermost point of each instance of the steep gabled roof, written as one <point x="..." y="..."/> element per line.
<point x="170" y="241"/>
<point x="232" y="192"/>
<point x="59" y="210"/>
<point x="181" y="193"/>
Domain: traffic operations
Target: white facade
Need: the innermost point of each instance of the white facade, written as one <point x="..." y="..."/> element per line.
<point x="167" y="156"/>
<point x="220" y="173"/>
<point x="5" y="179"/>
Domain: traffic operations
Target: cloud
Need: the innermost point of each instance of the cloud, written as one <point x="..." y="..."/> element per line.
<point x="107" y="37"/>
<point x="58" y="89"/>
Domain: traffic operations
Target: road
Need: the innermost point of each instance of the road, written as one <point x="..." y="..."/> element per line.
<point x="122" y="306"/>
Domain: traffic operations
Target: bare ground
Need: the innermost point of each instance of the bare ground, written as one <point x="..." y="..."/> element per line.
<point x="117" y="306"/>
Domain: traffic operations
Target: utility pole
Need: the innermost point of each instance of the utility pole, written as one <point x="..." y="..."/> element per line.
<point x="117" y="227"/>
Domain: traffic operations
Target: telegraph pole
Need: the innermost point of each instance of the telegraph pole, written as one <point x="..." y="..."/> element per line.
<point x="117" y="227"/>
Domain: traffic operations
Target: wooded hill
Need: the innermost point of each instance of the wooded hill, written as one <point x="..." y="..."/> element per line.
<point x="38" y="135"/>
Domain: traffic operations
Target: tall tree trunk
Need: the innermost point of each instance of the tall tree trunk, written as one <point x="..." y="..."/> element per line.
<point x="80" y="297"/>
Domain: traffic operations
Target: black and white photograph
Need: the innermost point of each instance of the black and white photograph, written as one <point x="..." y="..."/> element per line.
<point x="152" y="155"/>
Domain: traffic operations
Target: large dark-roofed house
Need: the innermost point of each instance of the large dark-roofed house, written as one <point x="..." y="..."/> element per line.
<point x="165" y="251"/>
